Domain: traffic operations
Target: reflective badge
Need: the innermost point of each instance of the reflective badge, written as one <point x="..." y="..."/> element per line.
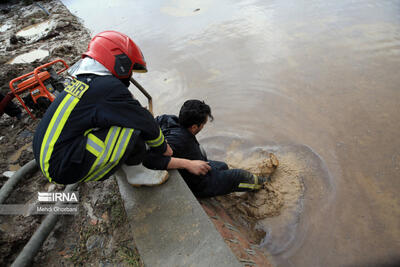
<point x="77" y="88"/>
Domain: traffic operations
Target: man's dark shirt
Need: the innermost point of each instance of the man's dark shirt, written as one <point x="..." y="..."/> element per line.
<point x="184" y="145"/>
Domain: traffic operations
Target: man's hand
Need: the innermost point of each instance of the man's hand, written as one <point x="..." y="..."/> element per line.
<point x="198" y="167"/>
<point x="168" y="151"/>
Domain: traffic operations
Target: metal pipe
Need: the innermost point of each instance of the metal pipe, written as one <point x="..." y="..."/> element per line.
<point x="146" y="94"/>
<point x="45" y="11"/>
<point x="35" y="243"/>
<point x="7" y="188"/>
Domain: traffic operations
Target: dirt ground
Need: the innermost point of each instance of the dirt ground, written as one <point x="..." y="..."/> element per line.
<point x="98" y="234"/>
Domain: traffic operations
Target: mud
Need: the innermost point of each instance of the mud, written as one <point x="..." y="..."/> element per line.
<point x="300" y="188"/>
<point x="97" y="235"/>
<point x="263" y="203"/>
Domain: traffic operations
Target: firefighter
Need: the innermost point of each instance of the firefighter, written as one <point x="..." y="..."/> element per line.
<point x="95" y="124"/>
<point x="205" y="178"/>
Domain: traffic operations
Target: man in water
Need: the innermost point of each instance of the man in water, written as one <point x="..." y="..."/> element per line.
<point x="206" y="178"/>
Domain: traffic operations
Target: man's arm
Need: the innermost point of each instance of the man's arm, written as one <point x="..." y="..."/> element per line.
<point x="156" y="161"/>
<point x="197" y="167"/>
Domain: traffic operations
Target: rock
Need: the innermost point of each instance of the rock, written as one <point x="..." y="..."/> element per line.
<point x="98" y="196"/>
<point x="64" y="49"/>
<point x="107" y="252"/>
<point x="51" y="188"/>
<point x="5" y="10"/>
<point x="13" y="40"/>
<point x="106" y="264"/>
<point x="62" y="24"/>
<point x="90" y="213"/>
<point x="25" y="133"/>
<point x="1" y="138"/>
<point x="26" y="120"/>
<point x="94" y="241"/>
<point x="49" y="243"/>
<point x="105" y="217"/>
<point x="8" y="174"/>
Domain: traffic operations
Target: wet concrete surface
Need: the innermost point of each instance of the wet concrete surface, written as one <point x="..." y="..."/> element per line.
<point x="323" y="74"/>
<point x="170" y="227"/>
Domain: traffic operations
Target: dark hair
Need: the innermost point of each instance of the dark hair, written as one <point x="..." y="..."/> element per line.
<point x="194" y="112"/>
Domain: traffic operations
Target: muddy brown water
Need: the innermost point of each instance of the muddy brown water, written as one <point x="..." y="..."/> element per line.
<point x="319" y="76"/>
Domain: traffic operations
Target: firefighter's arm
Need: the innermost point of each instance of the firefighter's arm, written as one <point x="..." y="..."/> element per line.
<point x="120" y="109"/>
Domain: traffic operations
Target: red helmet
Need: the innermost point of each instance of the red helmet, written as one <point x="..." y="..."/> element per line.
<point x="117" y="52"/>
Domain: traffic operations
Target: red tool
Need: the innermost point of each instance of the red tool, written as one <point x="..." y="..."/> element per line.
<point x="37" y="89"/>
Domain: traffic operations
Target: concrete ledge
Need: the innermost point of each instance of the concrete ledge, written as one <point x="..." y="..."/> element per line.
<point x="170" y="227"/>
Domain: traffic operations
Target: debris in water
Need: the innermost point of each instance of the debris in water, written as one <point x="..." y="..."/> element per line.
<point x="260" y="204"/>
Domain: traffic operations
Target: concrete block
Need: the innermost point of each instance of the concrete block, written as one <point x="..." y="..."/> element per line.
<point x="170" y="227"/>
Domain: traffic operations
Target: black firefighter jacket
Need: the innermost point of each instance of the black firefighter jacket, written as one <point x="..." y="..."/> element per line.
<point x="90" y="129"/>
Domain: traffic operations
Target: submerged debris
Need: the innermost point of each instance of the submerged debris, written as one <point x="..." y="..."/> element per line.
<point x="265" y="202"/>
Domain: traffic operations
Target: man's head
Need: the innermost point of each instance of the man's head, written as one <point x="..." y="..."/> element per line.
<point x="118" y="53"/>
<point x="194" y="115"/>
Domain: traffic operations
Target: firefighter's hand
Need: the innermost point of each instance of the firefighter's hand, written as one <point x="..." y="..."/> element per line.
<point x="168" y="151"/>
<point x="198" y="167"/>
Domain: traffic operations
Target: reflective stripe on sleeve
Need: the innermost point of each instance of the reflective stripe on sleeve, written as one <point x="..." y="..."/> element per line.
<point x="54" y="130"/>
<point x="156" y="142"/>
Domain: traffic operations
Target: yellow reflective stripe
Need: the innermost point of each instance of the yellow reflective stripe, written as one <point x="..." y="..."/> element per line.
<point x="97" y="141"/>
<point x="108" y="145"/>
<point x="118" y="153"/>
<point x="94" y="145"/>
<point x="112" y="145"/>
<point x="156" y="142"/>
<point x="92" y="150"/>
<point x="87" y="131"/>
<point x="46" y="139"/>
<point x="102" y="159"/>
<point x="250" y="186"/>
<point x="53" y="131"/>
